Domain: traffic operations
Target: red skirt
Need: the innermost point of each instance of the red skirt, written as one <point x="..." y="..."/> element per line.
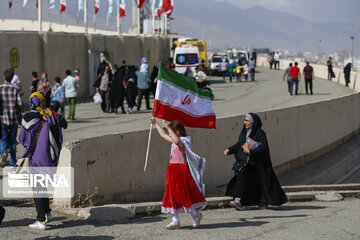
<point x="181" y="192"/>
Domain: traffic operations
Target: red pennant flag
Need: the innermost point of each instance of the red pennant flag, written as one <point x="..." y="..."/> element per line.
<point x="166" y="6"/>
<point x="122" y="9"/>
<point x="62" y="6"/>
<point x="37" y="3"/>
<point x="97" y="6"/>
<point x="10" y="3"/>
<point x="141" y="3"/>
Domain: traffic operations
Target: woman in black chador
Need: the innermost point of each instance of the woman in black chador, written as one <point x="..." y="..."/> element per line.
<point x="254" y="182"/>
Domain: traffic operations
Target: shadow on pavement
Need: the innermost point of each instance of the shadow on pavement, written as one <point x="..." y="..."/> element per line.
<point x="292" y="208"/>
<point x="243" y="223"/>
<point x="24" y="222"/>
<point x="291" y="216"/>
<point x="99" y="237"/>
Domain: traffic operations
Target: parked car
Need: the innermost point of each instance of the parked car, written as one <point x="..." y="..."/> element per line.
<point x="215" y="64"/>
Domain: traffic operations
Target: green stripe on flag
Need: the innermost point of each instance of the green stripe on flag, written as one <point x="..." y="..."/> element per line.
<point x="182" y="82"/>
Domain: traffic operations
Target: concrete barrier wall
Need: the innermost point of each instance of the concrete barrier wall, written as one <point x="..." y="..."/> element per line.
<point x="114" y="163"/>
<point x="55" y="52"/>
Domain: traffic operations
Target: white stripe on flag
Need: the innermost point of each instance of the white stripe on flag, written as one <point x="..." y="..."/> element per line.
<point x="186" y="101"/>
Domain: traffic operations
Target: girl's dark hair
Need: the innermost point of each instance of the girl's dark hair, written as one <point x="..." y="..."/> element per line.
<point x="177" y="125"/>
<point x="57" y="79"/>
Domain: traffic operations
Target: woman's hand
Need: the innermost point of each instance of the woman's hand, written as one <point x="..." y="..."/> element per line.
<point x="245" y="148"/>
<point x="226" y="152"/>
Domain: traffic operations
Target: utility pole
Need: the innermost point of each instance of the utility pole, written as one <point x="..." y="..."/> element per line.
<point x="352" y="50"/>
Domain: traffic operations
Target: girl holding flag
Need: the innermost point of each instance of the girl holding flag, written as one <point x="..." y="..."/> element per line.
<point x="184" y="188"/>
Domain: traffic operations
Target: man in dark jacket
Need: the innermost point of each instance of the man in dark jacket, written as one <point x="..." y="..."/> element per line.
<point x="347" y="71"/>
<point x="254" y="182"/>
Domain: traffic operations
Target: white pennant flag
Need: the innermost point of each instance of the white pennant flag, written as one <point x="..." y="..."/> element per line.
<point x="51" y="4"/>
<point x="80" y="5"/>
<point x="110" y="9"/>
<point x="24" y="2"/>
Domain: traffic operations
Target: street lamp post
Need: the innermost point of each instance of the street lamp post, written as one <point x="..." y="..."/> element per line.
<point x="319" y="41"/>
<point x="352" y="50"/>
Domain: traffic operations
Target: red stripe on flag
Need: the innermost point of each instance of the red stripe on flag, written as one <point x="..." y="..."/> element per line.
<point x="10" y="4"/>
<point x="122" y="13"/>
<point x="62" y="8"/>
<point x="171" y="114"/>
<point x="141" y="3"/>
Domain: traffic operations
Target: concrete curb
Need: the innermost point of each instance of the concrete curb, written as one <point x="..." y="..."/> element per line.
<point x="121" y="213"/>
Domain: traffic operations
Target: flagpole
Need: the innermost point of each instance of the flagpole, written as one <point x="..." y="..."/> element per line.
<point x="148" y="147"/>
<point x="85" y="17"/>
<point x="138" y="19"/>
<point x="118" y="18"/>
<point x="39" y="16"/>
<point x="166" y="21"/>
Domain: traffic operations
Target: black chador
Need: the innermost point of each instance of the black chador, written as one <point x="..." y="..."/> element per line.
<point x="254" y="181"/>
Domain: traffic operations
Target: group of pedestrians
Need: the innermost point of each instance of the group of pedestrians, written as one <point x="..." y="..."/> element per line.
<point x="40" y="134"/>
<point x="237" y="69"/>
<point x="273" y="59"/>
<point x="125" y="82"/>
<point x="292" y="76"/>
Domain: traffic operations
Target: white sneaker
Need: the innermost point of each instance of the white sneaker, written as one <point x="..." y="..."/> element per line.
<point x="38" y="225"/>
<point x="48" y="218"/>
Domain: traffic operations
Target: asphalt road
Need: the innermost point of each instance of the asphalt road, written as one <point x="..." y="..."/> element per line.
<point x="300" y="220"/>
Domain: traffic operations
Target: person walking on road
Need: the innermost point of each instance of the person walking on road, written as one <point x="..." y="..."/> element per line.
<point x="254" y="181"/>
<point x="16" y="81"/>
<point x="277" y="60"/>
<point x="347" y="71"/>
<point x="224" y="67"/>
<point x="58" y="94"/>
<point x="35" y="82"/>
<point x="252" y="65"/>
<point x="331" y="73"/>
<point x="143" y="80"/>
<point x="287" y="75"/>
<point x="230" y="72"/>
<point x="12" y="105"/>
<point x="309" y="76"/>
<point x="103" y="87"/>
<point x="184" y="187"/>
<point x="41" y="137"/>
<point x="44" y="86"/>
<point x="70" y="85"/>
<point x="295" y="78"/>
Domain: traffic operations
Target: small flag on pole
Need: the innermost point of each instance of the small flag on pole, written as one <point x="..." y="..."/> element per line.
<point x="37" y="3"/>
<point x="10" y="3"/>
<point x="122" y="9"/>
<point x="80" y="5"/>
<point x="178" y="98"/>
<point x="51" y="4"/>
<point x="166" y="6"/>
<point x="97" y="6"/>
<point x="24" y="3"/>
<point x="110" y="8"/>
<point x="141" y="4"/>
<point x="62" y="6"/>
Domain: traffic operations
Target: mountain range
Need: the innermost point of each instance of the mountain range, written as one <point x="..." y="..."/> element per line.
<point x="222" y="25"/>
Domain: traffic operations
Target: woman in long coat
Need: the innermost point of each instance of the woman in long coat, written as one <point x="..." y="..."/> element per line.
<point x="254" y="182"/>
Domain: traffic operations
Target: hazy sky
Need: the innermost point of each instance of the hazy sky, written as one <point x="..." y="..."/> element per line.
<point x="318" y="10"/>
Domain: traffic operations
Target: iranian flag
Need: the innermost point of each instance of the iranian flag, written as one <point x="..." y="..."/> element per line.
<point x="97" y="6"/>
<point x="167" y="6"/>
<point x="178" y="98"/>
<point x="62" y="6"/>
<point x="141" y="3"/>
<point x="10" y="3"/>
<point x="122" y="9"/>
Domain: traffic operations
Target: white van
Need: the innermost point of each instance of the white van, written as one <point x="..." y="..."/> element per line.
<point x="187" y="57"/>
